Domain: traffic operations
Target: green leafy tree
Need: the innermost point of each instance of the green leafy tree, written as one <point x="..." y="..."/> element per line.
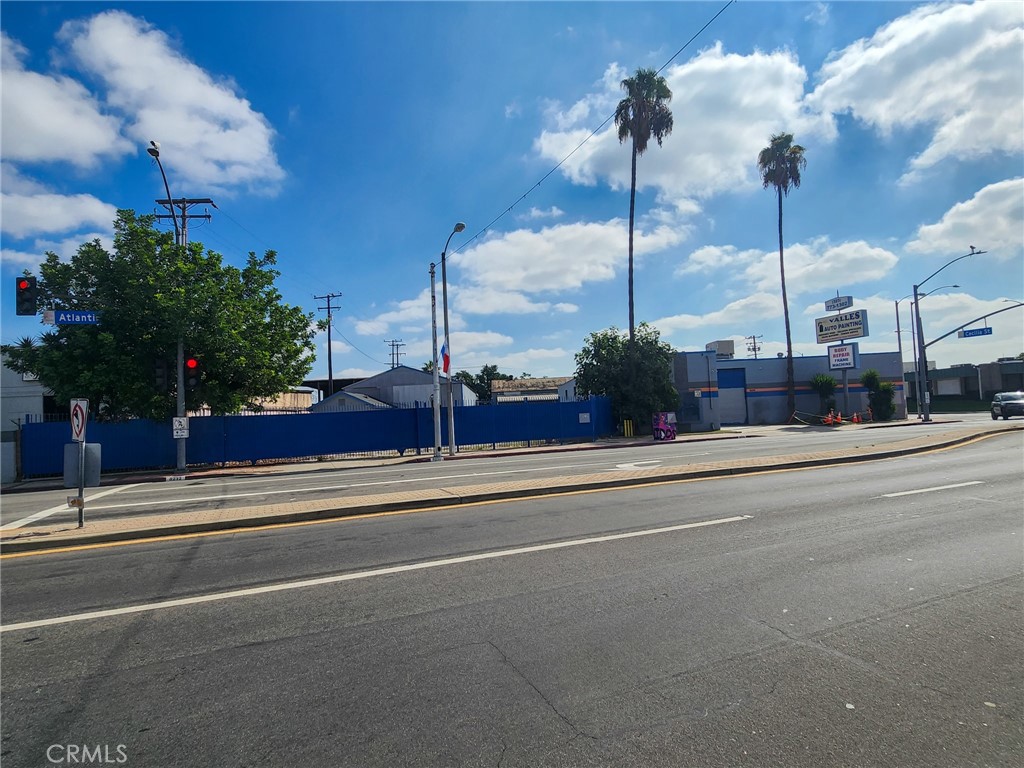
<point x="643" y="113"/>
<point x="881" y="395"/>
<point x="603" y="368"/>
<point x="481" y="382"/>
<point x="780" y="164"/>
<point x="150" y="292"/>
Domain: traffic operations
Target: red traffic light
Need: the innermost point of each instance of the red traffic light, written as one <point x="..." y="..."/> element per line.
<point x="22" y="284"/>
<point x="191" y="363"/>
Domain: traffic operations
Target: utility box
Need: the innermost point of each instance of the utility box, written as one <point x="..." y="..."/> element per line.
<point x="92" y="464"/>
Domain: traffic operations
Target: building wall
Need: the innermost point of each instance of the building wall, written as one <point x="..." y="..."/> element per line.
<point x="765" y="388"/>
<point x="19" y="399"/>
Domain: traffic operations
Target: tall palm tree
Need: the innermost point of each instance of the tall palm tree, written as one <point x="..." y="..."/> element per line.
<point x="780" y="164"/>
<point x="642" y="114"/>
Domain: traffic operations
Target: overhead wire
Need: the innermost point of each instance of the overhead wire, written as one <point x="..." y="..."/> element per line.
<point x="591" y="135"/>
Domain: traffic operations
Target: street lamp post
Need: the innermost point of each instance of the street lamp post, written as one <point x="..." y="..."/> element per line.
<point x="913" y="344"/>
<point x="437" y="382"/>
<point x="180" y="459"/>
<point x="923" y="366"/>
<point x="459" y="227"/>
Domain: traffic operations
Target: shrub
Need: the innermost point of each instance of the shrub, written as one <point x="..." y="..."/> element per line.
<point x="881" y="395"/>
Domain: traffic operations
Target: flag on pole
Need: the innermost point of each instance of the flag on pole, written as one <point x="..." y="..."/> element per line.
<point x="445" y="359"/>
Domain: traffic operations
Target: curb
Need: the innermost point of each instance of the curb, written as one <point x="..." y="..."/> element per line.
<point x="41" y="542"/>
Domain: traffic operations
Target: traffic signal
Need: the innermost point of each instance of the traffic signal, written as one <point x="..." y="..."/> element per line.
<point x="193" y="372"/>
<point x="26" y="296"/>
<point x="160" y="377"/>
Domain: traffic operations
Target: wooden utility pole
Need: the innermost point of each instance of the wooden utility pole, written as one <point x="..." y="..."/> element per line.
<point x="330" y="361"/>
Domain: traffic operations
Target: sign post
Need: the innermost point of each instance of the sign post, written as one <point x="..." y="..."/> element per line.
<point x="79" y="417"/>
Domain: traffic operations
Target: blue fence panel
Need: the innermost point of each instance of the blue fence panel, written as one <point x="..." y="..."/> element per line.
<point x="142" y="444"/>
<point x="138" y="444"/>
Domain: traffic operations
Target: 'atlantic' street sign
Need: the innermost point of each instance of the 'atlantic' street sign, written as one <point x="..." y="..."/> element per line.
<point x="75" y="317"/>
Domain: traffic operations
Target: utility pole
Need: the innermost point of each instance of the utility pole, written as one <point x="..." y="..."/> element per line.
<point x="395" y="345"/>
<point x="330" y="322"/>
<point x="752" y="345"/>
<point x="181" y="238"/>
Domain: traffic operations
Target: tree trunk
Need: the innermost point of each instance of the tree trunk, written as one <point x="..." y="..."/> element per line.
<point x="790" y="383"/>
<point x="632" y="208"/>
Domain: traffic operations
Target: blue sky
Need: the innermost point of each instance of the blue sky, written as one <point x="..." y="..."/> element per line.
<point x="350" y="137"/>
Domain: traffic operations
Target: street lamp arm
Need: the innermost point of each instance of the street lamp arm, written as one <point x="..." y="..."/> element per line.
<point x="961" y="327"/>
<point x="954" y="261"/>
<point x="167" y="189"/>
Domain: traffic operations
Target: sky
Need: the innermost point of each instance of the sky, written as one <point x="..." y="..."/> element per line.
<point x="351" y="137"/>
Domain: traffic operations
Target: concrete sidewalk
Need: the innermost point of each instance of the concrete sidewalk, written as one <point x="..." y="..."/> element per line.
<point x="154" y="527"/>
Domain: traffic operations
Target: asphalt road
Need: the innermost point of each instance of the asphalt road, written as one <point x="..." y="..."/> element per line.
<point x="801" y="618"/>
<point x="213" y="492"/>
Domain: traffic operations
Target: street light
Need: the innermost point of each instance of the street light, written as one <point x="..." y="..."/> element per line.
<point x="459" y="227"/>
<point x="923" y="366"/>
<point x="913" y="344"/>
<point x="437" y="382"/>
<point x="180" y="464"/>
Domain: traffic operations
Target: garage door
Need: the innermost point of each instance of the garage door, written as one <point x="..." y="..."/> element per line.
<point x="732" y="395"/>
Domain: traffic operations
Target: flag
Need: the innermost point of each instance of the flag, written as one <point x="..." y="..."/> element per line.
<point x="445" y="359"/>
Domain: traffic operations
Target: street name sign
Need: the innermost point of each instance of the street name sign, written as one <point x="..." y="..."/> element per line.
<point x="75" y="317"/>
<point x="972" y="332"/>
<point x="838" y="303"/>
<point x="848" y="325"/>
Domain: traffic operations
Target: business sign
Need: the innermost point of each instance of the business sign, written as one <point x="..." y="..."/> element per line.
<point x="75" y="317"/>
<point x="970" y="333"/>
<point x="848" y="325"/>
<point x="838" y="303"/>
<point x="79" y="416"/>
<point x="843" y="357"/>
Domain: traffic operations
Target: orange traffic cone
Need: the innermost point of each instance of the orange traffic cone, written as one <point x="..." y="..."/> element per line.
<point x="856" y="417"/>
<point x="839" y="418"/>
<point x="827" y="418"/>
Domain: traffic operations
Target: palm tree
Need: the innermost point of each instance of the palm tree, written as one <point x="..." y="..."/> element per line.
<point x="642" y="114"/>
<point x="780" y="164"/>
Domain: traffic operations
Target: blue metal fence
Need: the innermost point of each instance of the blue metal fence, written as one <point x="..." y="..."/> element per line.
<point x="143" y="444"/>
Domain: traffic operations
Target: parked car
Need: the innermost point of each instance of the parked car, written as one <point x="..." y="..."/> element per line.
<point x="1007" y="404"/>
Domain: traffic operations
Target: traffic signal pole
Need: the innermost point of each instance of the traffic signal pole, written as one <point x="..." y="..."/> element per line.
<point x="181" y="238"/>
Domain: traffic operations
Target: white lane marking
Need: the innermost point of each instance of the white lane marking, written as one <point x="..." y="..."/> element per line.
<point x="929" y="490"/>
<point x="289" y="585"/>
<point x="344" y="487"/>
<point x="149" y="487"/>
<point x="635" y="465"/>
<point x="62" y="508"/>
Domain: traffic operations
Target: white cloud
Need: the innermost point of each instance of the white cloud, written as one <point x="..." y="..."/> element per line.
<point x="415" y="311"/>
<point x="952" y="67"/>
<point x="356" y="373"/>
<point x="810" y="266"/>
<point x="215" y="137"/>
<point x="818" y="265"/>
<point x="992" y="220"/>
<point x="537" y="362"/>
<point x="754" y="307"/>
<point x="554" y="212"/>
<point x="727" y="107"/>
<point x="27" y="215"/>
<point x="49" y="118"/>
<point x="513" y="110"/>
<point x="818" y="14"/>
<point x="558" y="258"/>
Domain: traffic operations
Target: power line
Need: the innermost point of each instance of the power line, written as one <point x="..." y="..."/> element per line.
<point x="593" y="133"/>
